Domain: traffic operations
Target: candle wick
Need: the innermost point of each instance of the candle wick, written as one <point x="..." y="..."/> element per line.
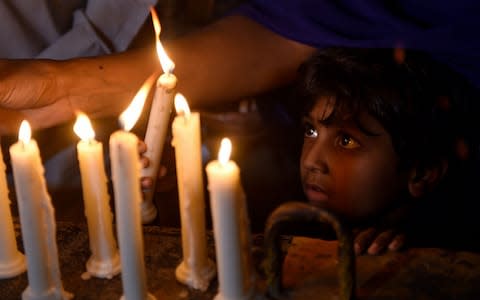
<point x="22" y="143"/>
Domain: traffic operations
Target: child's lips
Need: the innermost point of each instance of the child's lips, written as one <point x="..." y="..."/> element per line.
<point x="316" y="194"/>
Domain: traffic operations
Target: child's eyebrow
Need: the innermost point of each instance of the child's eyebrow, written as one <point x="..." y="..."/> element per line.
<point x="362" y="128"/>
<point x="355" y="122"/>
<point x="332" y="119"/>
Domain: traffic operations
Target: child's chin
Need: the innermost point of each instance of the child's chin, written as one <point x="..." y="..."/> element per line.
<point x="318" y="203"/>
<point x="318" y="199"/>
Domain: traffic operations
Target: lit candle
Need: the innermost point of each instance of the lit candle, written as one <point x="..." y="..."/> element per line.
<point x="195" y="270"/>
<point x="126" y="187"/>
<point x="12" y="262"/>
<point x="158" y="122"/>
<point x="105" y="260"/>
<point x="37" y="220"/>
<point x="230" y="227"/>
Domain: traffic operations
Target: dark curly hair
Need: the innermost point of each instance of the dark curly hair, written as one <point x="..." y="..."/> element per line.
<point x="402" y="90"/>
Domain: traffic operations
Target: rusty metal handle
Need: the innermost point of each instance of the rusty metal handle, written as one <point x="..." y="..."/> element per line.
<point x="289" y="215"/>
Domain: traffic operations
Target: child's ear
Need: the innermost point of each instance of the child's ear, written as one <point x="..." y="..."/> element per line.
<point x="423" y="181"/>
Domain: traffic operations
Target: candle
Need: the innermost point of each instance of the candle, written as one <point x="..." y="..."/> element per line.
<point x="105" y="260"/>
<point x="230" y="227"/>
<point x="158" y="122"/>
<point x="12" y="262"/>
<point x="195" y="270"/>
<point x="37" y="220"/>
<point x="126" y="187"/>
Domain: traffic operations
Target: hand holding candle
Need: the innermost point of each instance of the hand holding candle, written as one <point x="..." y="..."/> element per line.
<point x="195" y="270"/>
<point x="37" y="220"/>
<point x="230" y="227"/>
<point x="158" y="121"/>
<point x="128" y="198"/>
<point x="12" y="262"/>
<point x="105" y="260"/>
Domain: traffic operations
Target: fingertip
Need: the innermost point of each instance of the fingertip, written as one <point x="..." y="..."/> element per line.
<point x="145" y="162"/>
<point x="396" y="244"/>
<point x="146" y="182"/>
<point x="373" y="249"/>
<point x="357" y="249"/>
<point x="142" y="147"/>
<point x="163" y="171"/>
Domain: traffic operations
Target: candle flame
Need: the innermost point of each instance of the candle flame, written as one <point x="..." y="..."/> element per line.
<point x="130" y="115"/>
<point x="83" y="127"/>
<point x="225" y="151"/>
<point x="25" y="132"/>
<point x="167" y="64"/>
<point x="181" y="105"/>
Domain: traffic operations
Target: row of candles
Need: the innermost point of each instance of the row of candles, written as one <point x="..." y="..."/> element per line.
<point x="228" y="205"/>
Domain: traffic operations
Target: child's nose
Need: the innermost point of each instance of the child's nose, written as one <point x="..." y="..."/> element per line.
<point x="315" y="157"/>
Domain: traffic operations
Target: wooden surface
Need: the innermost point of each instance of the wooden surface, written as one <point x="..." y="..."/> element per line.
<point x="309" y="270"/>
<point x="162" y="255"/>
<point x="418" y="273"/>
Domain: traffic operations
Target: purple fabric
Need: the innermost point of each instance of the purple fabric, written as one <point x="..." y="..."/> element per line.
<point x="448" y="30"/>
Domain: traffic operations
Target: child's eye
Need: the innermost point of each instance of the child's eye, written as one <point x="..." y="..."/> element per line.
<point x="309" y="131"/>
<point x="347" y="142"/>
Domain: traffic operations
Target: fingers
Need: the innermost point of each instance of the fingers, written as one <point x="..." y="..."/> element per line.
<point x="397" y="243"/>
<point x="381" y="242"/>
<point x="375" y="242"/>
<point x="162" y="172"/>
<point x="10" y="123"/>
<point x="144" y="161"/>
<point x="142" y="147"/>
<point x="146" y="182"/>
<point x="363" y="239"/>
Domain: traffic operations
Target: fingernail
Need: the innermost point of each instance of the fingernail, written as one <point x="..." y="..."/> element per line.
<point x="394" y="246"/>
<point x="373" y="249"/>
<point x="357" y="249"/>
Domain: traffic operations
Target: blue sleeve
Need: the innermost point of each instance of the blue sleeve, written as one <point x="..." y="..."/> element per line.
<point x="448" y="30"/>
<point x="102" y="27"/>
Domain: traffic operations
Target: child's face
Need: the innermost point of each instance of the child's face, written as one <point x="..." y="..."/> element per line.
<point x="348" y="169"/>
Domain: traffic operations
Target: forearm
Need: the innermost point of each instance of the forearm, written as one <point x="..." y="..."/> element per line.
<point x="225" y="61"/>
<point x="233" y="58"/>
<point x="104" y="86"/>
<point x="48" y="92"/>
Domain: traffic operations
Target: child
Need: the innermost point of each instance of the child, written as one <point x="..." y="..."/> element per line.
<point x="377" y="138"/>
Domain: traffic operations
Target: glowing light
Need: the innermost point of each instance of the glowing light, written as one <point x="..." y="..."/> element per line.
<point x="129" y="116"/>
<point x="181" y="105"/>
<point x="225" y="151"/>
<point x="165" y="61"/>
<point x="83" y="128"/>
<point x="25" y="132"/>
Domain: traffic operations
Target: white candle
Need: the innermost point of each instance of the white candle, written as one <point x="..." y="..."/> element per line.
<point x="37" y="220"/>
<point x="12" y="262"/>
<point x="230" y="227"/>
<point x="126" y="186"/>
<point x="158" y="122"/>
<point x="195" y="270"/>
<point x="105" y="260"/>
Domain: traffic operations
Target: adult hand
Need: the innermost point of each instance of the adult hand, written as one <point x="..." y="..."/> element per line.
<point x="27" y="83"/>
<point x="10" y="121"/>
<point x="48" y="92"/>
